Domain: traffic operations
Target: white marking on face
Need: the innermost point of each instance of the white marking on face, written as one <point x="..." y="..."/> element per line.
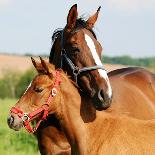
<point x="102" y="72"/>
<point x="28" y="87"/>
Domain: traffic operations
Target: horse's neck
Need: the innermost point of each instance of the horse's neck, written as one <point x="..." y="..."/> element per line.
<point x="72" y="113"/>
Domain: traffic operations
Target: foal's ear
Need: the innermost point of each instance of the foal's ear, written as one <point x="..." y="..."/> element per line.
<point x="91" y="21"/>
<point x="36" y="64"/>
<point x="72" y="17"/>
<point x="45" y="66"/>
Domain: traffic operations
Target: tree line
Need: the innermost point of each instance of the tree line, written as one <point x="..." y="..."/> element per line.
<point x="127" y="60"/>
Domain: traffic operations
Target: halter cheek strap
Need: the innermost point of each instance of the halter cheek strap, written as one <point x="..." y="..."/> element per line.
<point x="28" y="117"/>
<point x="75" y="69"/>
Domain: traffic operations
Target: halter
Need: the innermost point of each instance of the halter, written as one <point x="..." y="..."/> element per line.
<point x="28" y="117"/>
<point x="75" y="69"/>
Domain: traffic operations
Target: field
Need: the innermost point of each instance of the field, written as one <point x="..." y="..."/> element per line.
<point x="11" y="142"/>
<point x="23" y="63"/>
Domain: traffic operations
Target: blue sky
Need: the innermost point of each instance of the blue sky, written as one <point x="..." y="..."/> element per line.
<point x="124" y="27"/>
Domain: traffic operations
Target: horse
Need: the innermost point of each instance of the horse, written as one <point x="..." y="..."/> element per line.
<point x="78" y="52"/>
<point x="88" y="131"/>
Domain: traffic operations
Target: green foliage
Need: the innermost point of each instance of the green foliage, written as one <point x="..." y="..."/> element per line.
<point x="127" y="60"/>
<point x="13" y="84"/>
<point x="23" y="82"/>
<point x="8" y="84"/>
<point x="12" y="142"/>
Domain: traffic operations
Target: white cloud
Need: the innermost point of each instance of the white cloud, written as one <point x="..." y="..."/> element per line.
<point x="131" y="5"/>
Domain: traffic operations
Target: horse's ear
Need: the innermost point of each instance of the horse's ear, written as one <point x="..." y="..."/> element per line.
<point x="91" y="21"/>
<point x="72" y="17"/>
<point x="45" y="66"/>
<point x="35" y="64"/>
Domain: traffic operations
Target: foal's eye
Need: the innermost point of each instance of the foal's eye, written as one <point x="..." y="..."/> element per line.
<point x="38" y="89"/>
<point x="76" y="50"/>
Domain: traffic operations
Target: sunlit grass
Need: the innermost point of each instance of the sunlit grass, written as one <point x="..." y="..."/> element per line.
<point x="11" y="142"/>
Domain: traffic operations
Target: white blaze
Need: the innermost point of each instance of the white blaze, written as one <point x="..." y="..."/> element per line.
<point x="102" y="72"/>
<point x="28" y="87"/>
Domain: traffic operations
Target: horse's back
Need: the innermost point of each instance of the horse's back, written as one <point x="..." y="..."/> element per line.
<point x="130" y="136"/>
<point x="121" y="135"/>
<point x="134" y="92"/>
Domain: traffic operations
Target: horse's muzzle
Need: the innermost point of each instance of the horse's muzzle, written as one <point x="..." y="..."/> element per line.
<point x="102" y="100"/>
<point x="14" y="122"/>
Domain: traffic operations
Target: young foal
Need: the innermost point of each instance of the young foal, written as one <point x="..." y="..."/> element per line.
<point x="87" y="130"/>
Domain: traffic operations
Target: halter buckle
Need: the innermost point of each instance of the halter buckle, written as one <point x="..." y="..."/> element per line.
<point x="54" y="92"/>
<point x="25" y="117"/>
<point x="76" y="71"/>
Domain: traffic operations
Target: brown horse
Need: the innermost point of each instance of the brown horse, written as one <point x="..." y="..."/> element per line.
<point x="87" y="130"/>
<point x="77" y="51"/>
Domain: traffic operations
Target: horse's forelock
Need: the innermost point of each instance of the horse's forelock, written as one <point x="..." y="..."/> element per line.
<point x="80" y="23"/>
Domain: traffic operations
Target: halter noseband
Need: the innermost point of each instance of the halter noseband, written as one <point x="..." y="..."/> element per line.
<point x="75" y="69"/>
<point x="28" y="117"/>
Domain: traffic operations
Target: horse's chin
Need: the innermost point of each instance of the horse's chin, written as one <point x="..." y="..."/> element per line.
<point x="102" y="103"/>
<point x="16" y="127"/>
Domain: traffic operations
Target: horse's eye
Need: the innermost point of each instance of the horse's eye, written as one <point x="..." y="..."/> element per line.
<point x="38" y="89"/>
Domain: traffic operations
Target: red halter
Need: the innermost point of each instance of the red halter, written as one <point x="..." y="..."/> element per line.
<point x="28" y="117"/>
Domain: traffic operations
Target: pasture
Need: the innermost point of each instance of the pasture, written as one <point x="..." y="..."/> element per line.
<point x="11" y="142"/>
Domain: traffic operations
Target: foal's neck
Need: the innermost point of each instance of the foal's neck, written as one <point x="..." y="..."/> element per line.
<point x="73" y="115"/>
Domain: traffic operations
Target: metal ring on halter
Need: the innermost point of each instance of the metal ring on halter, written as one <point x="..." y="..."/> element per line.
<point x="54" y="92"/>
<point x="25" y="117"/>
<point x="76" y="71"/>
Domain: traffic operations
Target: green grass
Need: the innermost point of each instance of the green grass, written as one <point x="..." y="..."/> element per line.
<point x="11" y="142"/>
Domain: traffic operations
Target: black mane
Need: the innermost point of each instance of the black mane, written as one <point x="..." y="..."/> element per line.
<point x="80" y="23"/>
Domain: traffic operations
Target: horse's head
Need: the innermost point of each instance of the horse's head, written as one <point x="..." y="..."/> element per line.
<point x="35" y="104"/>
<point x="78" y="52"/>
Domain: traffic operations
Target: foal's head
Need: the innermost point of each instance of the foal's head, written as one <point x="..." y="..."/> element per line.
<point x="40" y="98"/>
<point x="80" y="44"/>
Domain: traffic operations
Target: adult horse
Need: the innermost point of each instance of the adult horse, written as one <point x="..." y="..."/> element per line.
<point x="76" y="47"/>
<point x="87" y="130"/>
<point x="77" y="51"/>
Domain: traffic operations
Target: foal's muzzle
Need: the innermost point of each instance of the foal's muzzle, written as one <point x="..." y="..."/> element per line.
<point x="14" y="122"/>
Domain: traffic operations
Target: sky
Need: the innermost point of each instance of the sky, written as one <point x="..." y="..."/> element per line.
<point x="124" y="27"/>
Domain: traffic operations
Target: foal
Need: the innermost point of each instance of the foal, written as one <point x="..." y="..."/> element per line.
<point x="87" y="130"/>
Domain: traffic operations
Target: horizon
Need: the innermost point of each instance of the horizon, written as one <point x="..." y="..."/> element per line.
<point x="46" y="55"/>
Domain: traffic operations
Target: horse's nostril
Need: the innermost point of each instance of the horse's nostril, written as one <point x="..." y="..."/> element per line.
<point x="101" y="95"/>
<point x="10" y="120"/>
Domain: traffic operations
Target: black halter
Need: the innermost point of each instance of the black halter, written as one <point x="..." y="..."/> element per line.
<point x="75" y="69"/>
